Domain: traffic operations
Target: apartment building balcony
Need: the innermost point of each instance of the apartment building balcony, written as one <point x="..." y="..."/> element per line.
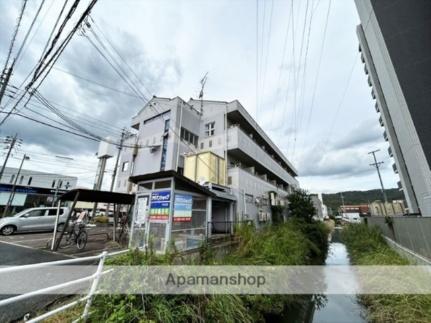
<point x="244" y="179"/>
<point x="381" y="121"/>
<point x="391" y="154"/>
<point x="394" y="167"/>
<point x="243" y="147"/>
<point x="238" y="116"/>
<point x="385" y="135"/>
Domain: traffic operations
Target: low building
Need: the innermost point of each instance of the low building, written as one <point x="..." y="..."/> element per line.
<point x="174" y="211"/>
<point x="213" y="143"/>
<point x="353" y="213"/>
<point x="379" y="208"/>
<point x="33" y="188"/>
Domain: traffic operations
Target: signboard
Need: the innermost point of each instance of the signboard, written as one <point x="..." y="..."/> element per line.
<point x="141" y="213"/>
<point x="160" y="205"/>
<point x="183" y="208"/>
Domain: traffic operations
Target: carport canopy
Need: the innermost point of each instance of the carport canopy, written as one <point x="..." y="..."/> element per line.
<point x="86" y="195"/>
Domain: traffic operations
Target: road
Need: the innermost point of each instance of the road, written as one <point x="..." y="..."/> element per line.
<point x="30" y="248"/>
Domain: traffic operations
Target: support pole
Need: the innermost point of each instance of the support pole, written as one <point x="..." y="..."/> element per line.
<point x="57" y="243"/>
<point x="54" y="234"/>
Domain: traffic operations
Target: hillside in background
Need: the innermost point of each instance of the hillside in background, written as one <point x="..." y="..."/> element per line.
<point x="333" y="201"/>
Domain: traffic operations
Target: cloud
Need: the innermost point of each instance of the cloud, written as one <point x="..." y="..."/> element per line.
<point x="368" y="131"/>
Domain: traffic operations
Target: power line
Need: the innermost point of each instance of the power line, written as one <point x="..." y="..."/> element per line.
<point x="15" y="33"/>
<point x="29" y="31"/>
<point x="49" y="125"/>
<point x="322" y="46"/>
<point x="42" y="66"/>
<point x="95" y="82"/>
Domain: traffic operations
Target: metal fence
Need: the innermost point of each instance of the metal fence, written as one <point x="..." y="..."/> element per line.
<point x="93" y="279"/>
<point x="412" y="232"/>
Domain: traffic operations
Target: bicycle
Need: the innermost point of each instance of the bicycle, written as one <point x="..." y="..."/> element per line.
<point x="77" y="235"/>
<point x="124" y="233"/>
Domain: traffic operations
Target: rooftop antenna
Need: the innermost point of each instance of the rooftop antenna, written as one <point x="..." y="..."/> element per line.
<point x="201" y="93"/>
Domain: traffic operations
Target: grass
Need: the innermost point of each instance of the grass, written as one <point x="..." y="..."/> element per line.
<point x="367" y="246"/>
<point x="293" y="243"/>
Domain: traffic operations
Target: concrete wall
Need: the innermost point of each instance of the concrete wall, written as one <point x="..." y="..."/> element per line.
<point x="413" y="233"/>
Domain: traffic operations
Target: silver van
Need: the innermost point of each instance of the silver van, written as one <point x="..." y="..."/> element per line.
<point x="34" y="219"/>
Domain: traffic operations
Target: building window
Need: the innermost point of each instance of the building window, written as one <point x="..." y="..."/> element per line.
<point x="249" y="198"/>
<point x="164" y="148"/>
<point x="12" y="178"/>
<point x="125" y="166"/>
<point x="210" y="143"/>
<point x="29" y="180"/>
<point x="60" y="184"/>
<point x="53" y="184"/>
<point x="21" y="180"/>
<point x="202" y="145"/>
<point x="189" y="137"/>
<point x="229" y="180"/>
<point x="209" y="129"/>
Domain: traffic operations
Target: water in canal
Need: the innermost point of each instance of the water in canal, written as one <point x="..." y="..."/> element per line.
<point x="339" y="308"/>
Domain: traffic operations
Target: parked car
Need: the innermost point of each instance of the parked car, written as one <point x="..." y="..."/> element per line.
<point x="32" y="220"/>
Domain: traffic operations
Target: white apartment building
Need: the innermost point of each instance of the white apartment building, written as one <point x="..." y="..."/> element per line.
<point x="395" y="48"/>
<point x="170" y="130"/>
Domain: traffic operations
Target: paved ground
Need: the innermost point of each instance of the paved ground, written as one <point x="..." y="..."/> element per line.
<point x="99" y="239"/>
<point x="29" y="248"/>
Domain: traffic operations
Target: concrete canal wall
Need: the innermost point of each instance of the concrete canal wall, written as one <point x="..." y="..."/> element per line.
<point x="413" y="233"/>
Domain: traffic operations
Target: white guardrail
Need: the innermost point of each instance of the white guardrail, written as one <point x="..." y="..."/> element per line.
<point x="88" y="298"/>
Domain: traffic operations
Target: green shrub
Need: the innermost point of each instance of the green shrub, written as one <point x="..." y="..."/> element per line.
<point x="291" y="243"/>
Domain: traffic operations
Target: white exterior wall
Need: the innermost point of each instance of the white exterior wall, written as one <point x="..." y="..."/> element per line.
<point x="416" y="163"/>
<point x="245" y="183"/>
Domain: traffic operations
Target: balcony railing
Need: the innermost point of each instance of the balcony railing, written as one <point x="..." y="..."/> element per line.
<point x="238" y="139"/>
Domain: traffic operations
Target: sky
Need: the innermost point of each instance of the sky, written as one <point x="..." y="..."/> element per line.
<point x="293" y="64"/>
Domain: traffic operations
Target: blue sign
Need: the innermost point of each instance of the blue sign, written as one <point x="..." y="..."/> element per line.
<point x="183" y="208"/>
<point x="160" y="205"/>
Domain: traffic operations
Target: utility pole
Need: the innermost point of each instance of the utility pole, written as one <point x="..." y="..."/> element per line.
<point x="12" y="193"/>
<point x="7" y="72"/>
<point x="120" y="148"/>
<point x="377" y="165"/>
<point x="114" y="174"/>
<point x="342" y="202"/>
<point x="11" y="141"/>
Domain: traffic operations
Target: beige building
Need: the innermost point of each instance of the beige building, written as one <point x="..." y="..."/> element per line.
<point x="379" y="208"/>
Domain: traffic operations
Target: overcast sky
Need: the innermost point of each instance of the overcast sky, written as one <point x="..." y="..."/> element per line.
<point x="323" y="119"/>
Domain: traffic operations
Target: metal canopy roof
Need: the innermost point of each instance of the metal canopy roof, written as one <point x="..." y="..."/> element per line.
<point x="86" y="195"/>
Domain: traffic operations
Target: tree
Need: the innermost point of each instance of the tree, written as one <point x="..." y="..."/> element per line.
<point x="301" y="206"/>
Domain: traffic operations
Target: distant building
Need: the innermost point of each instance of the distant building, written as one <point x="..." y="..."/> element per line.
<point x="318" y="205"/>
<point x="395" y="47"/>
<point x="33" y="188"/>
<point x="379" y="208"/>
<point x="353" y="213"/>
<point x="360" y="209"/>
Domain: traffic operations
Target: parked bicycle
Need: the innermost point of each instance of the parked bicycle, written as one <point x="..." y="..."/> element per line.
<point x="76" y="235"/>
<point x="123" y="237"/>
